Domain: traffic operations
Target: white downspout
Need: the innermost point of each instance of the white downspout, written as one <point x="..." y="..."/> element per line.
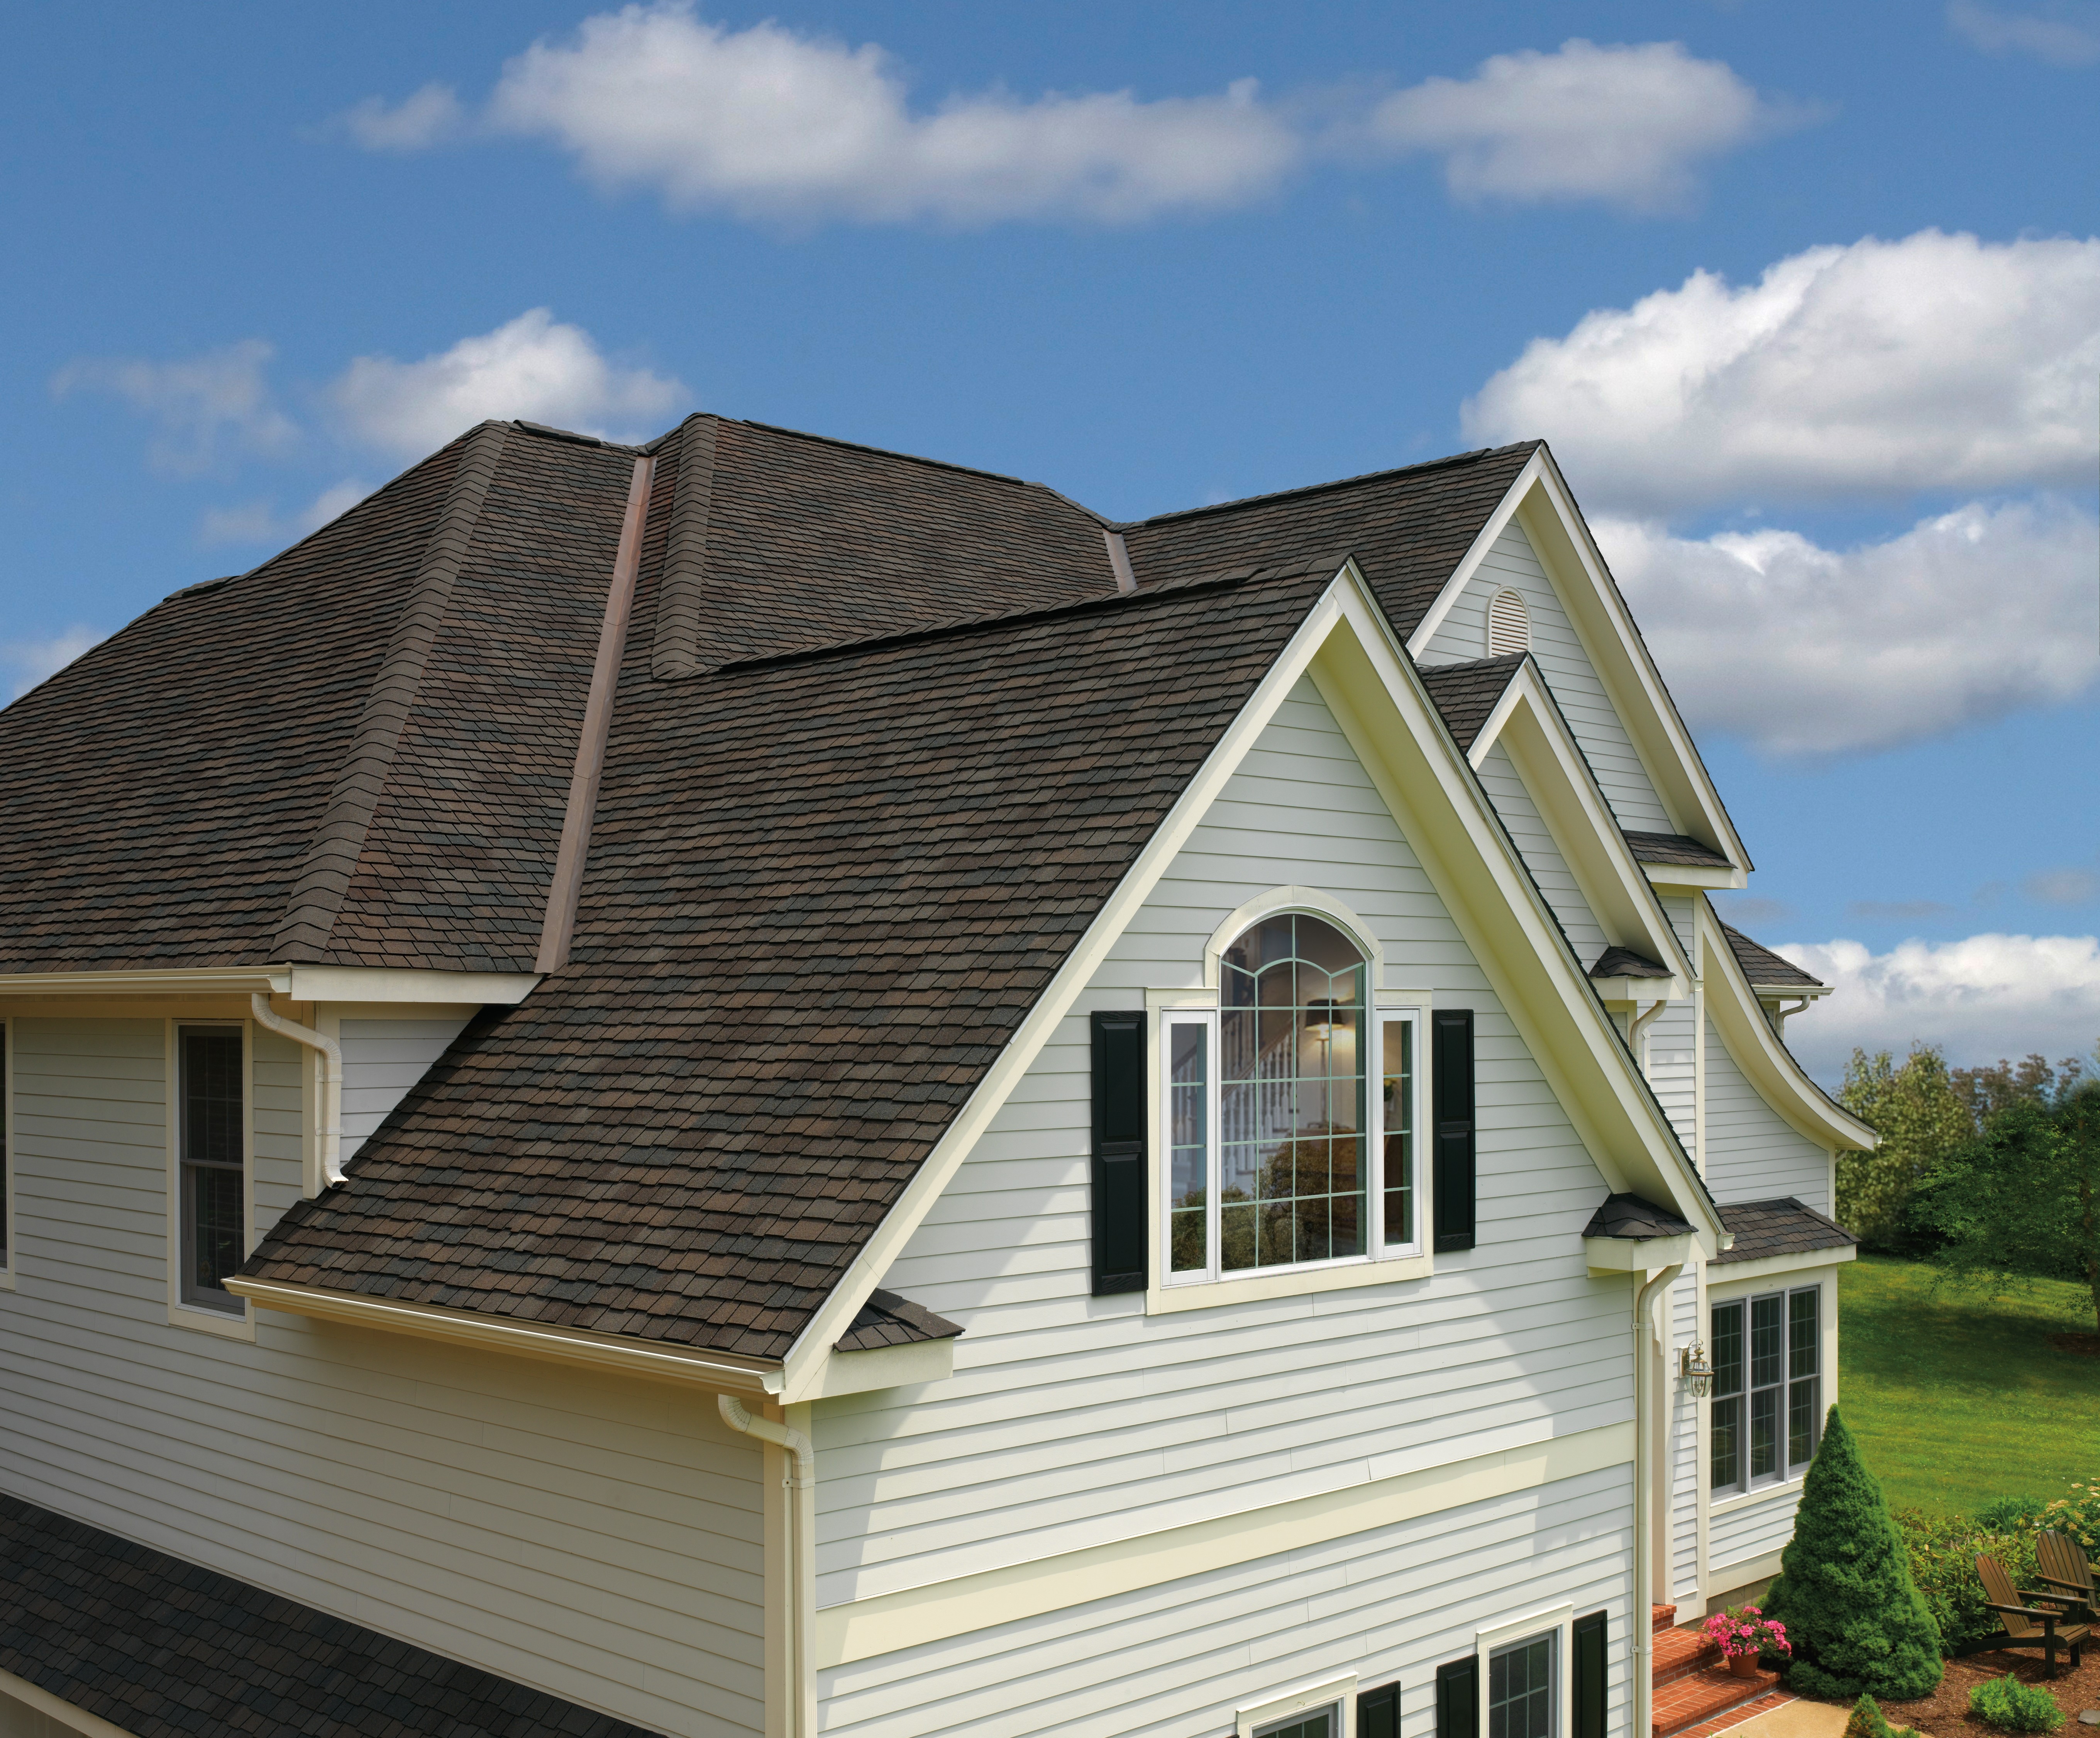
<point x="801" y="1482"/>
<point x="1645" y="1406"/>
<point x="330" y="1107"/>
<point x="1637" y="1029"/>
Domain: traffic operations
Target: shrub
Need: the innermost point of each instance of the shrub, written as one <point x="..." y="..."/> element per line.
<point x="1867" y="1721"/>
<point x="1942" y="1550"/>
<point x="2078" y="1514"/>
<point x="2016" y="1707"/>
<point x="2007" y="1513"/>
<point x="1857" y="1620"/>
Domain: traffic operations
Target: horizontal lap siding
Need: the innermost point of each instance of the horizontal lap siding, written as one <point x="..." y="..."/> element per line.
<point x="1541" y="856"/>
<point x="1752" y="1152"/>
<point x="1174" y="1660"/>
<point x="598" y="1539"/>
<point x="1740" y="1536"/>
<point x="1511" y="564"/>
<point x="1670" y="1051"/>
<point x="381" y="1059"/>
<point x="1072" y="1419"/>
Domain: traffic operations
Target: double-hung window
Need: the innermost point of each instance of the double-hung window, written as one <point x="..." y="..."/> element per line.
<point x="1520" y="1685"/>
<point x="211" y="1160"/>
<point x="1767" y="1412"/>
<point x="1292" y="1113"/>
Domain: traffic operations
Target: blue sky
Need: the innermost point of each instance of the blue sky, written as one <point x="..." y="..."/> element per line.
<point x="253" y="271"/>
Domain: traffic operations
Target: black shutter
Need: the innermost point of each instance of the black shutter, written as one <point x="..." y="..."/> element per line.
<point x="1377" y="1713"/>
<point x="1458" y="1698"/>
<point x="1451" y="1115"/>
<point x="1119" y="1167"/>
<point x="1590" y="1674"/>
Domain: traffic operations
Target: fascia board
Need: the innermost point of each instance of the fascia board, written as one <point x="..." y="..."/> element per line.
<point x="1723" y="1274"/>
<point x="609" y="1353"/>
<point x="297" y="983"/>
<point x="203" y="980"/>
<point x="1535" y="736"/>
<point x="1608" y="1255"/>
<point x="1497" y="522"/>
<point x="1621" y="657"/>
<point x="1681" y="878"/>
<point x="1378" y="699"/>
<point x="807" y="1359"/>
<point x="886" y="1367"/>
<point x="1765" y="1063"/>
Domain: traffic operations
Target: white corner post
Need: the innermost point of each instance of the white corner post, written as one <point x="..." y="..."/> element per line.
<point x="1648" y="1408"/>
<point x="800" y="1479"/>
<point x="328" y="1135"/>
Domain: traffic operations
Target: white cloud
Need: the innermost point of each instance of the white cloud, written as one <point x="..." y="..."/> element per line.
<point x="257" y="521"/>
<point x="1983" y="997"/>
<point x="2070" y="886"/>
<point x="766" y="122"/>
<point x="2064" y="34"/>
<point x="1624" y="124"/>
<point x="415" y="123"/>
<point x="197" y="404"/>
<point x="1938" y="361"/>
<point x="1803" y="650"/>
<point x="31" y="661"/>
<point x="532" y="368"/>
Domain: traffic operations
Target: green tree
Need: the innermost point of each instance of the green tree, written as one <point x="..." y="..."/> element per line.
<point x="2022" y="1199"/>
<point x="1858" y="1624"/>
<point x="1921" y="1121"/>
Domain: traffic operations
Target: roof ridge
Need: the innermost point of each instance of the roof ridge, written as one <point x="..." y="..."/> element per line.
<point x="338" y="838"/>
<point x="909" y="458"/>
<point x="1447" y="462"/>
<point x="674" y="650"/>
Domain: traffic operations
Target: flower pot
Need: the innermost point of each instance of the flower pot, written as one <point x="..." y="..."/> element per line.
<point x="1743" y="1665"/>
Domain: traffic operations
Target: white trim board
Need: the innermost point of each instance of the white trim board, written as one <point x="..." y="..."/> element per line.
<point x="861" y="1629"/>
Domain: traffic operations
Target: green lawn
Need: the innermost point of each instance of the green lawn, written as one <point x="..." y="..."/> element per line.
<point x="1956" y="1398"/>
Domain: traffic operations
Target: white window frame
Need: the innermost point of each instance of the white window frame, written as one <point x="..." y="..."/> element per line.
<point x="228" y="1323"/>
<point x="1784" y="1285"/>
<point x="1377" y="1014"/>
<point x="1338" y="1692"/>
<point x="1558" y="1622"/>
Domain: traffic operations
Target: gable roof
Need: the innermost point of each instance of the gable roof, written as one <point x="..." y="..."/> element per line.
<point x="1765" y="969"/>
<point x="168" y="1649"/>
<point x="1465" y="694"/>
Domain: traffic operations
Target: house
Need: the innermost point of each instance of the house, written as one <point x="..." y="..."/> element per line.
<point x="748" y="1086"/>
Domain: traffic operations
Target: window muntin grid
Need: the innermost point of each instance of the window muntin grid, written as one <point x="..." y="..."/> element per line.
<point x="1521" y="1689"/>
<point x="1766" y="1416"/>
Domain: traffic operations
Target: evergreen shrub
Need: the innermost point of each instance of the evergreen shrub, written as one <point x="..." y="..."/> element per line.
<point x="2016" y="1707"/>
<point x="1858" y="1622"/>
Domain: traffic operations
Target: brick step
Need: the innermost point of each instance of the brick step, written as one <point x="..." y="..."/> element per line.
<point x="1703" y="1696"/>
<point x="1678" y="1653"/>
<point x="1737" y="1715"/>
<point x="1660" y="1617"/>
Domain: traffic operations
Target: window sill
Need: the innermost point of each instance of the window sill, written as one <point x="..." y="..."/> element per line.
<point x="1162" y="1300"/>
<point x="1735" y="1500"/>
<point x="223" y="1323"/>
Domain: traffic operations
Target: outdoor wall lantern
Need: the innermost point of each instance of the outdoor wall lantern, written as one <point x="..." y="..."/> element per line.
<point x="1693" y="1370"/>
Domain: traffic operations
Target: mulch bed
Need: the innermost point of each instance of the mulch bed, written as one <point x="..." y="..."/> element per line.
<point x="1945" y="1712"/>
<point x="2085" y="1345"/>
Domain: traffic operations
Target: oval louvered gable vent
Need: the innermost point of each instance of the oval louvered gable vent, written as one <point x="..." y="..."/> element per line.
<point x="1509" y="625"/>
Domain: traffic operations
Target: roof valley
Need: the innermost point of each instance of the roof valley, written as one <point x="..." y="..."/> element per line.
<point x="338" y="840"/>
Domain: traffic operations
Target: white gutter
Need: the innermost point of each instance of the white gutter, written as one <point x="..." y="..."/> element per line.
<point x="1647" y="1408"/>
<point x="329" y="1109"/>
<point x="800" y="1552"/>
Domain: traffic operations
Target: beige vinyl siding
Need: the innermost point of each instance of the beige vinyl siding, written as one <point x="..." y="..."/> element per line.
<point x="1463" y="634"/>
<point x="595" y="1538"/>
<point x="381" y="1059"/>
<point x="1670" y="1047"/>
<point x="1072" y="1419"/>
<point x="1747" y="1528"/>
<point x="1681" y="1318"/>
<point x="1174" y="1660"/>
<point x="1506" y="789"/>
<point x="1752" y="1152"/>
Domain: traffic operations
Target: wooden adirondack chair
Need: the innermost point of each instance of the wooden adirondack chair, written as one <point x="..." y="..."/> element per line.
<point x="2045" y="1627"/>
<point x="2064" y="1569"/>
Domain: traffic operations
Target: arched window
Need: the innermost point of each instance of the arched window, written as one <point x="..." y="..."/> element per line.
<point x="1509" y="625"/>
<point x="1271" y="1119"/>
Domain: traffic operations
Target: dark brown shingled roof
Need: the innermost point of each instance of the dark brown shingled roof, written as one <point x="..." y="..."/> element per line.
<point x="822" y="893"/>
<point x="887" y="1319"/>
<point x="1765" y="969"/>
<point x="1627" y="1215"/>
<point x="1409" y="529"/>
<point x="166" y="1649"/>
<point x="1465" y="694"/>
<point x="1779" y="1227"/>
<point x="1623" y="962"/>
<point x="1673" y="847"/>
